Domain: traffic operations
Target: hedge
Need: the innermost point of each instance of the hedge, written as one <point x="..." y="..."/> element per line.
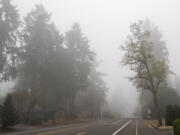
<point x="176" y="127"/>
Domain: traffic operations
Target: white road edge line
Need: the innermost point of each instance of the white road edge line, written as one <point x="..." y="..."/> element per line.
<point x="137" y="127"/>
<point x="122" y="127"/>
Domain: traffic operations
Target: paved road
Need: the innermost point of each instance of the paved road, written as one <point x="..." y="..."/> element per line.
<point x="107" y="127"/>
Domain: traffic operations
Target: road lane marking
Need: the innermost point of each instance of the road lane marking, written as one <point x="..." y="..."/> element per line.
<point x="81" y="133"/>
<point x="137" y="127"/>
<point x="63" y="130"/>
<point x="122" y="127"/>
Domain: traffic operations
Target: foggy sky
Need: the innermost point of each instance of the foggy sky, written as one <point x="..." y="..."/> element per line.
<point x="106" y="24"/>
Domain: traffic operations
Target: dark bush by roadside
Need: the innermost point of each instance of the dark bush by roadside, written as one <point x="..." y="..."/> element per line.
<point x="176" y="127"/>
<point x="172" y="113"/>
<point x="9" y="116"/>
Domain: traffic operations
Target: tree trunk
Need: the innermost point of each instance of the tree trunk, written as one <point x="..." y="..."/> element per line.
<point x="67" y="109"/>
<point x="157" y="109"/>
<point x="72" y="108"/>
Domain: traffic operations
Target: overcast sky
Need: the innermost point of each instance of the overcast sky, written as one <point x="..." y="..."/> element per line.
<point x="106" y="24"/>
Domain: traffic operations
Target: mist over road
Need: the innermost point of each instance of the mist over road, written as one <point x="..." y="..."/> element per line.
<point x="105" y="127"/>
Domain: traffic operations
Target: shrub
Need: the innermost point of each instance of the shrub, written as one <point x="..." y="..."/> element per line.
<point x="172" y="113"/>
<point x="9" y="115"/>
<point x="176" y="127"/>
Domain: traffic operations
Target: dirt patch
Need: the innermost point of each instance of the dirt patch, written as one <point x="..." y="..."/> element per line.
<point x="154" y="123"/>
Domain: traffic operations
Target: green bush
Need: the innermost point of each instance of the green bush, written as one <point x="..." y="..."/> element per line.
<point x="172" y="113"/>
<point x="9" y="116"/>
<point x="176" y="127"/>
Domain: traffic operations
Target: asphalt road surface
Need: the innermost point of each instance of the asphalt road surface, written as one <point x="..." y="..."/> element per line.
<point x="106" y="127"/>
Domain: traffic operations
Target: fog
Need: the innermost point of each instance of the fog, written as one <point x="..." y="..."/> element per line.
<point x="106" y="24"/>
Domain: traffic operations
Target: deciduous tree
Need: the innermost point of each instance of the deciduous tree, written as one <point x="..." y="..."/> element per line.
<point x="150" y="72"/>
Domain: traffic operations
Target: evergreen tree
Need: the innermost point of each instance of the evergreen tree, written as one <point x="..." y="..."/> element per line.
<point x="94" y="98"/>
<point x="9" y="115"/>
<point x="40" y="67"/>
<point x="82" y="58"/>
<point x="9" y="23"/>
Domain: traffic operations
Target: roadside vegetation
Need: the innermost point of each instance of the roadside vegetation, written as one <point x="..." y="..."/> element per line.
<point x="176" y="127"/>
<point x="55" y="74"/>
<point x="172" y="114"/>
<point x="8" y="114"/>
<point x="173" y="118"/>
